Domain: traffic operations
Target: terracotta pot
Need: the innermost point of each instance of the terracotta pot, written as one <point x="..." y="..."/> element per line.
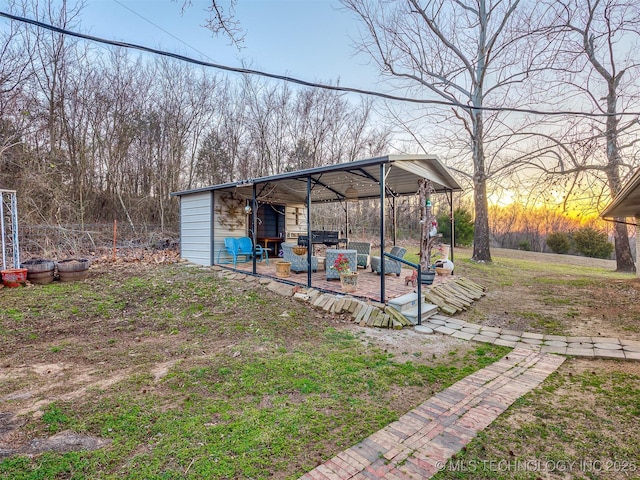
<point x="283" y="269"/>
<point x="72" y="269"/>
<point x="40" y="271"/>
<point x="14" y="277"/>
<point x="349" y="282"/>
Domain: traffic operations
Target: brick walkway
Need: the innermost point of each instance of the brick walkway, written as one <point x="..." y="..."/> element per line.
<point x="421" y="442"/>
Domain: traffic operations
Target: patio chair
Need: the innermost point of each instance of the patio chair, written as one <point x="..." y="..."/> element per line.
<point x="232" y="249"/>
<point x="298" y="262"/>
<point x="390" y="266"/>
<point x="245" y="247"/>
<point x="364" y="252"/>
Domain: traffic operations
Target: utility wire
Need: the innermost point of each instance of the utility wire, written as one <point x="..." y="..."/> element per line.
<point x="162" y="29"/>
<point x="298" y="81"/>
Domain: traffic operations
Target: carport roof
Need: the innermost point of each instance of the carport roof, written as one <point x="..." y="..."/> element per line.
<point x="627" y="202"/>
<point x="330" y="183"/>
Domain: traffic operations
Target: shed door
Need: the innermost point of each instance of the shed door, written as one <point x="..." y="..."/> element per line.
<point x="272" y="221"/>
<point x="195" y="228"/>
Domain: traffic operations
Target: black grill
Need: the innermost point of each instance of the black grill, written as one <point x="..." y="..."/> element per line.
<point x="327" y="237"/>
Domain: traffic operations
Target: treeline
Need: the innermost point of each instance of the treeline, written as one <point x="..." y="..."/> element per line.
<point x="90" y="134"/>
<point x="526" y="228"/>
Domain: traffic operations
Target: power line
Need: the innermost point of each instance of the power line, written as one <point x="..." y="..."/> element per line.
<point x="162" y="29"/>
<point x="298" y="81"/>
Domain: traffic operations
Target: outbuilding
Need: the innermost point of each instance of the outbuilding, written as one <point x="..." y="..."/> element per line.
<point x="274" y="209"/>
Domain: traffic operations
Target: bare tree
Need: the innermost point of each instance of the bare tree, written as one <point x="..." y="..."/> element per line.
<point x="14" y="118"/>
<point x="597" y="67"/>
<point x="221" y="20"/>
<point x="459" y="51"/>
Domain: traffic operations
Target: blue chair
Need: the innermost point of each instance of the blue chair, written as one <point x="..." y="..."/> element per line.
<point x="230" y="249"/>
<point x="245" y="247"/>
<point x="331" y="256"/>
<point x="390" y="265"/>
<point x="364" y="252"/>
<point x="299" y="263"/>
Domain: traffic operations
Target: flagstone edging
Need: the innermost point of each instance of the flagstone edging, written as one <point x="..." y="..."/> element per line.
<point x="375" y="314"/>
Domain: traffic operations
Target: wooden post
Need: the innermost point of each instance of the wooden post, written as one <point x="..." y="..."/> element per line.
<point x="115" y="227"/>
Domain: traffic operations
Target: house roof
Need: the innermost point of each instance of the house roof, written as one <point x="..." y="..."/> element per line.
<point x="627" y="202"/>
<point x="330" y="183"/>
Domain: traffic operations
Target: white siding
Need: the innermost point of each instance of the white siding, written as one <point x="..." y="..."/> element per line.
<point x="195" y="228"/>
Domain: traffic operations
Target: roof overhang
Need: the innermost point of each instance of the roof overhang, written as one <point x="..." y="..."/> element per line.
<point x="627" y="202"/>
<point x="330" y="183"/>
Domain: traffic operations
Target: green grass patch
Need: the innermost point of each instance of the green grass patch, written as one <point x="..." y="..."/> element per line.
<point x="248" y="392"/>
<point x="250" y="416"/>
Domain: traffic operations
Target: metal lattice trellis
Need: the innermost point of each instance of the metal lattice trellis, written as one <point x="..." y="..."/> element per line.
<point x="9" y="228"/>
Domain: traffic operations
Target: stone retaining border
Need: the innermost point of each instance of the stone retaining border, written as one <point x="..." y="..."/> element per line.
<point x="368" y="313"/>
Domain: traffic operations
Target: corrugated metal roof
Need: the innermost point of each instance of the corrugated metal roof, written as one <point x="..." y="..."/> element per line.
<point x="329" y="183"/>
<point x="627" y="202"/>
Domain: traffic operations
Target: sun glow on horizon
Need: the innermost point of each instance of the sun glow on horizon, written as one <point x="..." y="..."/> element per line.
<point x="580" y="209"/>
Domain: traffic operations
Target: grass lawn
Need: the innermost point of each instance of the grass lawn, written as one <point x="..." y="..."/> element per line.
<point x="583" y="422"/>
<point x="188" y="375"/>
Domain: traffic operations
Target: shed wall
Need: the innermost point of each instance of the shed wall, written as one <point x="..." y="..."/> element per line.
<point x="195" y="228"/>
<point x="229" y="221"/>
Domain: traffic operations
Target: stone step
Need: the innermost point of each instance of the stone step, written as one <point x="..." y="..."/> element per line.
<point x="405" y="302"/>
<point x="428" y="309"/>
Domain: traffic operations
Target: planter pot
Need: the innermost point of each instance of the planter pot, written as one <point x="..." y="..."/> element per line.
<point x="427" y="277"/>
<point x="443" y="267"/>
<point x="349" y="282"/>
<point x="14" y="277"/>
<point x="72" y="269"/>
<point x="283" y="269"/>
<point x="39" y="271"/>
<point x="299" y="250"/>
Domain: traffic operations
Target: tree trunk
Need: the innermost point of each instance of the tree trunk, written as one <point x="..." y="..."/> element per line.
<point x="426" y="217"/>
<point x="481" y="250"/>
<point x="624" y="260"/>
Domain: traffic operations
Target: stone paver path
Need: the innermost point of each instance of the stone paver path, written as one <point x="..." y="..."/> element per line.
<point x="420" y="442"/>
<point x="588" y="346"/>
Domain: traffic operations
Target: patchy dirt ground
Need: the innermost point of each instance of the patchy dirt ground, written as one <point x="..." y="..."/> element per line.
<point x="104" y="335"/>
<point x="138" y="318"/>
<point x="559" y="302"/>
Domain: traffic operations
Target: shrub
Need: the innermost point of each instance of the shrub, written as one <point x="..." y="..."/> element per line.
<point x="524" y="245"/>
<point x="592" y="243"/>
<point x="559" y="242"/>
<point x="463" y="227"/>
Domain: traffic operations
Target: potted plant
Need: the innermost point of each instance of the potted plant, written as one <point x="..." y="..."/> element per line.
<point x="348" y="277"/>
